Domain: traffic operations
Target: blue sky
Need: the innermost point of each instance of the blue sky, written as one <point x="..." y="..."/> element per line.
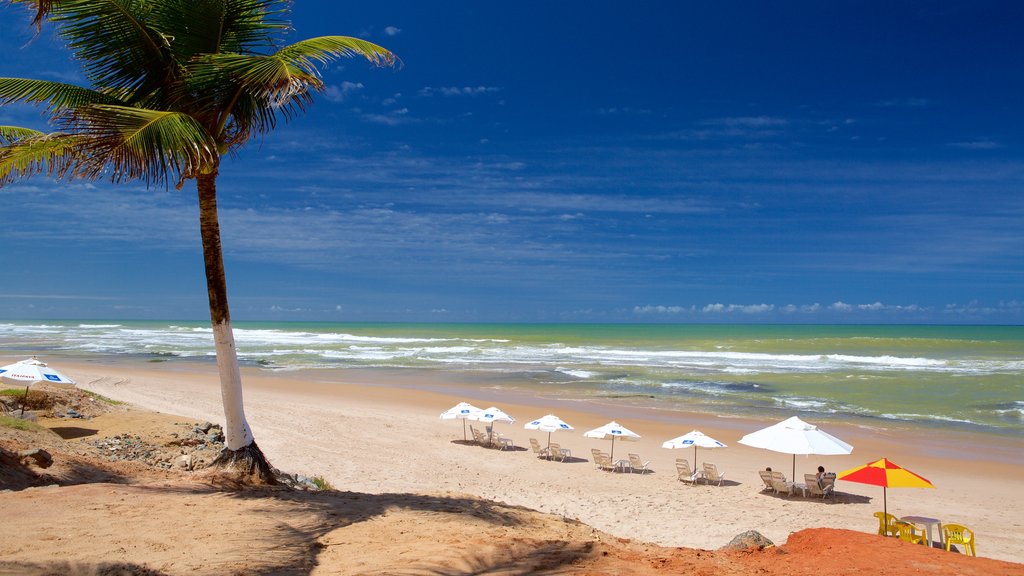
<point x="579" y="161"/>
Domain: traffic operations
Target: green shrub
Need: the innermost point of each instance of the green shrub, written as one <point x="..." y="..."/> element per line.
<point x="36" y="400"/>
<point x="18" y="424"/>
<point x="321" y="483"/>
<point x="102" y="398"/>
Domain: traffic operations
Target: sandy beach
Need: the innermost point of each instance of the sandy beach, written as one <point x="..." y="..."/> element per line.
<point x="381" y="435"/>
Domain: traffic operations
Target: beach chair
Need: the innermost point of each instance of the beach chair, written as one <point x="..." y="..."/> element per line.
<point x="780" y="484"/>
<point x="909" y="533"/>
<point x="556" y="451"/>
<point x="539" y="450"/>
<point x="814" y="489"/>
<point x="766" y="477"/>
<point x="712" y="474"/>
<point x="478" y="437"/>
<point x="887" y="524"/>
<point x="501" y="442"/>
<point x="958" y="534"/>
<point x="636" y="463"/>
<point x="482" y="438"/>
<point x="604" y="462"/>
<point x="684" y="472"/>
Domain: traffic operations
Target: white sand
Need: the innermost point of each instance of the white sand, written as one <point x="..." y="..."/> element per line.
<point x="376" y="438"/>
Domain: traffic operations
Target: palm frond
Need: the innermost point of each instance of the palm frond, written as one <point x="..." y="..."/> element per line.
<point x="135" y="143"/>
<point x="114" y="42"/>
<point x="327" y="49"/>
<point x="56" y="95"/>
<point x="226" y="26"/>
<point x="11" y="134"/>
<point x="29" y="152"/>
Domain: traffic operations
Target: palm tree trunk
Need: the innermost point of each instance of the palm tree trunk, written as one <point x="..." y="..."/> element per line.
<point x="241" y="451"/>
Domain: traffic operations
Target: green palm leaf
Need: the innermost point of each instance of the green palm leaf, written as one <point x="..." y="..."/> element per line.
<point x="11" y="134"/>
<point x="29" y="152"/>
<point x="113" y="40"/>
<point x="134" y="143"/>
<point x="56" y="95"/>
<point x="326" y="49"/>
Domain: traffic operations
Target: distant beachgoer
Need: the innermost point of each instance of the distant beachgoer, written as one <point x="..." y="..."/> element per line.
<point x="768" y="469"/>
<point x="820" y="476"/>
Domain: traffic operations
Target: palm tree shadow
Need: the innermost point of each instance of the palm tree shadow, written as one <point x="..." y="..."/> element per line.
<point x="297" y="545"/>
<point x="548" y="558"/>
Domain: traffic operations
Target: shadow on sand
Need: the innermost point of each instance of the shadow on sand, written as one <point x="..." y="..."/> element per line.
<point x="297" y="545"/>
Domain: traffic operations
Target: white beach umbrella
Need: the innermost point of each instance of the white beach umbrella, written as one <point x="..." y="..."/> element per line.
<point x="695" y="438"/>
<point x="614" y="431"/>
<point x="794" y="436"/>
<point x="460" y="411"/>
<point x="30" y="371"/>
<point x="492" y="415"/>
<point x="549" y="424"/>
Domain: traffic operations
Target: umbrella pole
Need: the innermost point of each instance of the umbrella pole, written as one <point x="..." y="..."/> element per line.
<point x="463" y="429"/>
<point x="695" y="457"/>
<point x="612" y="455"/>
<point x="24" y="399"/>
<point x="793" y="477"/>
<point x="885" y="512"/>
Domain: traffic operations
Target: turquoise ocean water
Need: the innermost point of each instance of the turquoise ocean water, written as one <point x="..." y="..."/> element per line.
<point x="968" y="377"/>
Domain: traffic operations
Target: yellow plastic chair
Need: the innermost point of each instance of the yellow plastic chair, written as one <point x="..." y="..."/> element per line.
<point x="892" y="520"/>
<point x="908" y="533"/>
<point x="957" y="534"/>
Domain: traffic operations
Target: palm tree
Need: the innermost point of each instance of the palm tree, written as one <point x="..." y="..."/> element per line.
<point x="176" y="85"/>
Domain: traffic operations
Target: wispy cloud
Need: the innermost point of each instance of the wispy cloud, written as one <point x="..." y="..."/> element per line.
<point x="392" y="30"/>
<point x="429" y="91"/>
<point x="389" y="118"/>
<point x="338" y="93"/>
<point x="905" y="103"/>
<point x="979" y="144"/>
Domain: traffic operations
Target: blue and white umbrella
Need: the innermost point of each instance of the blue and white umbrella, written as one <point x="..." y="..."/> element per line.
<point x="461" y="411"/>
<point x="30" y="371"/>
<point x="696" y="438"/>
<point x="549" y="423"/>
<point x="492" y="415"/>
<point x="615" y="431"/>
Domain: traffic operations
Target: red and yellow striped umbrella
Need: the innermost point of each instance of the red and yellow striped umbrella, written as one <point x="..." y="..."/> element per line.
<point x="887" y="475"/>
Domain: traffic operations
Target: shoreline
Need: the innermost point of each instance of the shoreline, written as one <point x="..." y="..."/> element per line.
<point x="362" y="435"/>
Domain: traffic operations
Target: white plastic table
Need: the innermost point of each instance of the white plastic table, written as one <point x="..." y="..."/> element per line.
<point x="927" y="523"/>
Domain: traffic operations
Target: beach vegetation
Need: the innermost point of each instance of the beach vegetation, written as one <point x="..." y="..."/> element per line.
<point x="104" y="399"/>
<point x="34" y="400"/>
<point x="20" y="424"/>
<point x="321" y="483"/>
<point x="175" y="87"/>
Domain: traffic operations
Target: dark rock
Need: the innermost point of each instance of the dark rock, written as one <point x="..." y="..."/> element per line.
<point x="41" y="457"/>
<point x="749" y="540"/>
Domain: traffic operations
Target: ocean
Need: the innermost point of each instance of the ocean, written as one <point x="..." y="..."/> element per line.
<point x="967" y="377"/>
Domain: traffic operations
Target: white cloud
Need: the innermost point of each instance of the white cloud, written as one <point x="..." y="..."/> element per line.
<point x="661" y="309"/>
<point x="458" y="90"/>
<point x="802" y="308"/>
<point x="748" y="122"/>
<point x="905" y="103"/>
<point x="340" y="92"/>
<point x="392" y="31"/>
<point x="840" y="306"/>
<point x="875" y="306"/>
<point x="737" y="308"/>
<point x="391" y="118"/>
<point x="978" y="144"/>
